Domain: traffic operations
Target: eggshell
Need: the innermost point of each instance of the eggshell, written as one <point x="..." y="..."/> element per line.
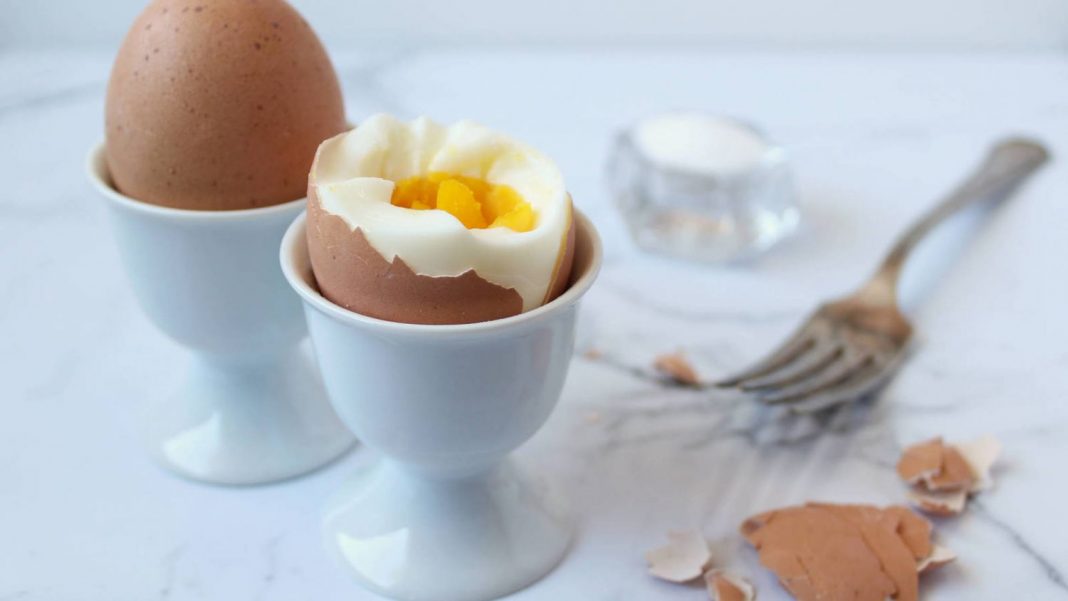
<point x="956" y="474"/>
<point x="564" y="264"/>
<point x="938" y="557"/>
<point x="352" y="274"/>
<point x="678" y="368"/>
<point x="914" y="531"/>
<point x="921" y="461"/>
<point x="683" y="559"/>
<point x="724" y="586"/>
<point x="981" y="454"/>
<point x="219" y="104"/>
<point x="941" y="503"/>
<point x="936" y="466"/>
<point x="828" y="551"/>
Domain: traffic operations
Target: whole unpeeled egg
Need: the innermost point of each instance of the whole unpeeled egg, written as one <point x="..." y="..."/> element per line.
<point x="219" y="105"/>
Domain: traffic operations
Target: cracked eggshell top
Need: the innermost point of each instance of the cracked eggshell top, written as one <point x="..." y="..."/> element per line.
<point x="398" y="264"/>
<point x="219" y="105"/>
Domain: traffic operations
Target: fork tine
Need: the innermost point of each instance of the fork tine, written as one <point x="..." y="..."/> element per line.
<point x="840" y="395"/>
<point x="834" y="376"/>
<point x="806" y="366"/>
<point x="801" y="341"/>
<point x="860" y="384"/>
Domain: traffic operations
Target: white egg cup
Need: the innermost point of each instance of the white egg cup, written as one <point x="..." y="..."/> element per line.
<point x="252" y="408"/>
<point x="444" y="516"/>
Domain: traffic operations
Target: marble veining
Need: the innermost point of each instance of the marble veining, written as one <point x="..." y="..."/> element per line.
<point x="1052" y="572"/>
<point x="874" y="138"/>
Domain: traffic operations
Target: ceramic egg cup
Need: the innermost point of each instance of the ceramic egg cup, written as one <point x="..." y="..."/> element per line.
<point x="444" y="516"/>
<point x="252" y="408"/>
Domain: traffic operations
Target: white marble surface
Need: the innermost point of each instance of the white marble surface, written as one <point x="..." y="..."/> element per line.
<point x="85" y="515"/>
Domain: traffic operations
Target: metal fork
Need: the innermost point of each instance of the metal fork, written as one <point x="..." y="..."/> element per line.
<point x="850" y="347"/>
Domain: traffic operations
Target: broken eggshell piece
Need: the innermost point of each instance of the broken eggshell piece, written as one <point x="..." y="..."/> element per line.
<point x="678" y="368"/>
<point x="827" y="551"/>
<point x="936" y="466"/>
<point x="425" y="266"/>
<point x="981" y="454"/>
<point x="724" y="586"/>
<point x="939" y="557"/>
<point x="683" y="559"/>
<point x="920" y="461"/>
<point x="940" y="503"/>
<point x="942" y="476"/>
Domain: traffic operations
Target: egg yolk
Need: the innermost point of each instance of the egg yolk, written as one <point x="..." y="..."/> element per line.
<point x="476" y="203"/>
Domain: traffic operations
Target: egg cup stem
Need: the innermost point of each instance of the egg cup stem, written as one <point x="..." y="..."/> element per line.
<point x="245" y="420"/>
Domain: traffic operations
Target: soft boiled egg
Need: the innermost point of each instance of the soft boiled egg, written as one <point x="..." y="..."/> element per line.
<point x="424" y="223"/>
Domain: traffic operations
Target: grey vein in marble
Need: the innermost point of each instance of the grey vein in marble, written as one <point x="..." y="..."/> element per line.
<point x="1051" y="572"/>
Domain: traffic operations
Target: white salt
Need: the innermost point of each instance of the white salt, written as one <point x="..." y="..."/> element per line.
<point x="700" y="144"/>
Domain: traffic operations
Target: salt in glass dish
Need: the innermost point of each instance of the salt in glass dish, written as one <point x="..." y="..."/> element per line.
<point x="702" y="187"/>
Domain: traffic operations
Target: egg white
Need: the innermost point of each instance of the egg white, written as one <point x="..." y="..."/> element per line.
<point x="355" y="174"/>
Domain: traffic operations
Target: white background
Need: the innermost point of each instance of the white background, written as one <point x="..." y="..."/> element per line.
<point x="912" y="25"/>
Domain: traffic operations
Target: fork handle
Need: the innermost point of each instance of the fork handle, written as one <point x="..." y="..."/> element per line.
<point x="1009" y="163"/>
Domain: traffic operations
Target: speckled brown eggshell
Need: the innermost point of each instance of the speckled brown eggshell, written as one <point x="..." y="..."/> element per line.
<point x="352" y="274"/>
<point x="219" y="105"/>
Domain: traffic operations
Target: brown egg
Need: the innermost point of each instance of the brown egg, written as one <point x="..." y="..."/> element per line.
<point x="423" y="223"/>
<point x="219" y="104"/>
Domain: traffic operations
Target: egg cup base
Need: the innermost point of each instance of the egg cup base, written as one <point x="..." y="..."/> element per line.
<point x="474" y="538"/>
<point x="245" y="422"/>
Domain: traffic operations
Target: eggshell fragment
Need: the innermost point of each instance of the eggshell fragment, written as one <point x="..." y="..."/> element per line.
<point x="724" y="586"/>
<point x="941" y="503"/>
<point x="939" y="557"/>
<point x="882" y="531"/>
<point x="956" y="474"/>
<point x="678" y="368"/>
<point x="826" y="551"/>
<point x="683" y="559"/>
<point x="914" y="531"/>
<point x="935" y="465"/>
<point x="920" y="461"/>
<point x="942" y="476"/>
<point x="981" y="454"/>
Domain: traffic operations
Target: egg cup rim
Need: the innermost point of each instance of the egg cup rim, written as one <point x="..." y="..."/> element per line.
<point x="99" y="175"/>
<point x="296" y="234"/>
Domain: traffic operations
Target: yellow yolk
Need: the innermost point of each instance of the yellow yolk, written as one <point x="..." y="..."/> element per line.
<point x="520" y="219"/>
<point x="459" y="200"/>
<point x="476" y="203"/>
